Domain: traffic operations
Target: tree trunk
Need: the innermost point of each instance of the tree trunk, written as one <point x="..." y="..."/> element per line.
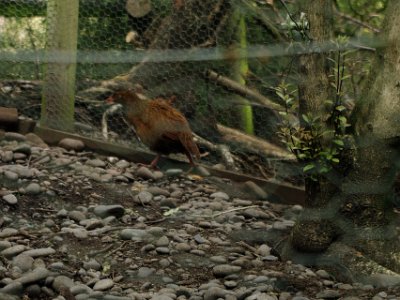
<point x="358" y="239"/>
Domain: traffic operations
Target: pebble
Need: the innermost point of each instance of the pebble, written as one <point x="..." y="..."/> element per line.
<point x="80" y="238"/>
<point x="13" y="251"/>
<point x="61" y="282"/>
<point x="104" y="211"/>
<point x="255" y="190"/>
<point x="173" y="172"/>
<point x="225" y="270"/>
<point x="33" y="276"/>
<point x="14" y="136"/>
<point x="329" y="294"/>
<point x="39" y="252"/>
<point x="144" y="173"/>
<point x="103" y="284"/>
<point x="23" y="262"/>
<point x="144" y="197"/>
<point x="33" y="189"/>
<point x="71" y="144"/>
<point x="220" y="195"/>
<point x="10" y="199"/>
<point x="7" y="156"/>
<point x="144" y="272"/>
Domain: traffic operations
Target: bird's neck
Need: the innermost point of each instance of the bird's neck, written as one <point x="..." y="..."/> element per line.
<point x="137" y="107"/>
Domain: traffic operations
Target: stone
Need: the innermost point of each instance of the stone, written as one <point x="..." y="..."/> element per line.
<point x="14" y="136"/>
<point x="61" y="282"/>
<point x="225" y="270"/>
<point x="220" y="195"/>
<point x="35" y="140"/>
<point x="71" y="144"/>
<point x="39" y="252"/>
<point x="23" y="261"/>
<point x="255" y="190"/>
<point x="144" y="173"/>
<point x="104" y="211"/>
<point x="10" y="199"/>
<point x="33" y="189"/>
<point x="33" y="276"/>
<point x="103" y="284"/>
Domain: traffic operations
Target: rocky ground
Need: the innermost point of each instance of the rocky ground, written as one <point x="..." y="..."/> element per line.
<point x="78" y="225"/>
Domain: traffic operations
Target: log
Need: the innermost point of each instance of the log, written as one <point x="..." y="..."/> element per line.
<point x="250" y="142"/>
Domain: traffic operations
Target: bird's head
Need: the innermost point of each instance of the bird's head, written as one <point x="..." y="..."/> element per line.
<point x="126" y="96"/>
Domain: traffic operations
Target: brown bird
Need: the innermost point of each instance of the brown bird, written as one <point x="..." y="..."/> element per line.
<point x="161" y="127"/>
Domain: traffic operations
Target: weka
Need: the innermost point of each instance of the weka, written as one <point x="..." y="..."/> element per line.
<point x="159" y="126"/>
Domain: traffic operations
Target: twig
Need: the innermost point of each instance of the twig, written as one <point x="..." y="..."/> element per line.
<point x="104" y="126"/>
<point x="44" y="209"/>
<point x="234" y="209"/>
<point x="356" y="21"/>
<point x="248" y="247"/>
<point x="116" y="249"/>
<point x="155" y="221"/>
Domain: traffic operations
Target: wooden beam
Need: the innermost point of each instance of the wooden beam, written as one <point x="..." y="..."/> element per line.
<point x="282" y="192"/>
<point x="59" y="85"/>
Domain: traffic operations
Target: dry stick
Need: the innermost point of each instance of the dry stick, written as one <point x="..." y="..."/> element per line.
<point x="234" y="209"/>
<point x="222" y="150"/>
<point x="248" y="247"/>
<point x="243" y="91"/>
<point x="356" y="21"/>
<point x="116" y="249"/>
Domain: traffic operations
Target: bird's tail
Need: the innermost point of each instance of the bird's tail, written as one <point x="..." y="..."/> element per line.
<point x="187" y="141"/>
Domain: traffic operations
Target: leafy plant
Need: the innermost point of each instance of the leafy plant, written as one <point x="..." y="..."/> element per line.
<point x="318" y="141"/>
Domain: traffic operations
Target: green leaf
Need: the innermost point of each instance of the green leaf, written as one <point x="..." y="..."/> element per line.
<point x="335" y="160"/>
<point x="306" y="119"/>
<point x="308" y="167"/>
<point x="339" y="142"/>
<point x="280" y="94"/>
<point x="340" y="108"/>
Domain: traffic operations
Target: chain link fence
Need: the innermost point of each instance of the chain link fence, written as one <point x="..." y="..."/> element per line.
<point x="213" y="57"/>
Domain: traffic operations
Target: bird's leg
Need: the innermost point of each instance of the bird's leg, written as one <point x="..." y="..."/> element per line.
<point x="192" y="163"/>
<point x="153" y="164"/>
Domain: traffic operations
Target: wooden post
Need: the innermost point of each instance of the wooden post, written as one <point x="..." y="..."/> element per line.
<point x="59" y="86"/>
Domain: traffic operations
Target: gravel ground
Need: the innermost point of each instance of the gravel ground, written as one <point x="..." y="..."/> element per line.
<point x="78" y="225"/>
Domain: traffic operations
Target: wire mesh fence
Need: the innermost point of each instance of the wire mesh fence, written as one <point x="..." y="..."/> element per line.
<point x="213" y="58"/>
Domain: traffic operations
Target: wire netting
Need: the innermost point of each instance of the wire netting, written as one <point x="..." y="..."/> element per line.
<point x="212" y="57"/>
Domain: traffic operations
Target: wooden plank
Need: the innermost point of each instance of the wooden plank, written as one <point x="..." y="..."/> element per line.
<point x="284" y="192"/>
<point x="8" y="115"/>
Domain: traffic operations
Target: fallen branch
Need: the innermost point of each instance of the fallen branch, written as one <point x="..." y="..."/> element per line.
<point x="223" y="151"/>
<point x="253" y="143"/>
<point x="243" y="91"/>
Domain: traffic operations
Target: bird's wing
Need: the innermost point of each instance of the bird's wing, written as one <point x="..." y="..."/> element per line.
<point x="162" y="108"/>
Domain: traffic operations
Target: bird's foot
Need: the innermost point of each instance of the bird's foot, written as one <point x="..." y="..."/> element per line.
<point x="149" y="166"/>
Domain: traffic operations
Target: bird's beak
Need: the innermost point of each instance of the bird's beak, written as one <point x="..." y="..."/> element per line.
<point x="110" y="100"/>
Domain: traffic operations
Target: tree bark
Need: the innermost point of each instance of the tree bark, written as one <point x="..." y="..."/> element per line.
<point x="356" y="239"/>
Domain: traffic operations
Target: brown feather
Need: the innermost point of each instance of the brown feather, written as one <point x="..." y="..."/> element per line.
<point x="159" y="126"/>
